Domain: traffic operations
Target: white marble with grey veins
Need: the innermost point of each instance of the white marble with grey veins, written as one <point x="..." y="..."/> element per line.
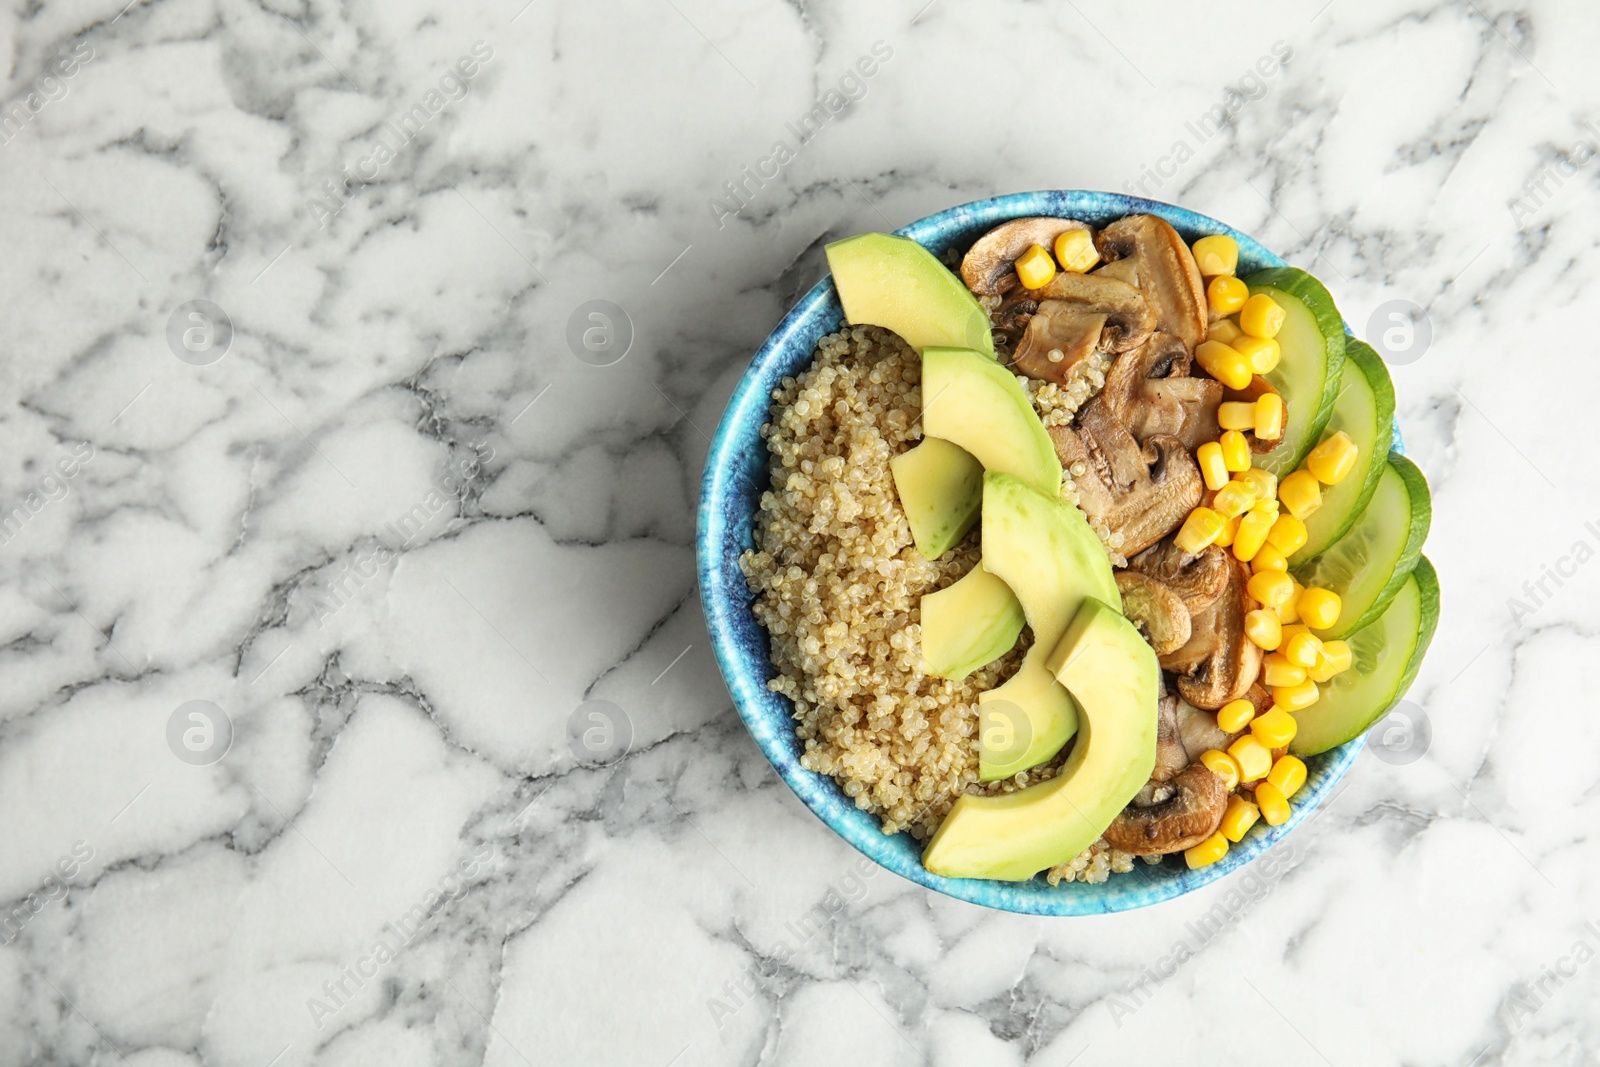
<point x="398" y="533"/>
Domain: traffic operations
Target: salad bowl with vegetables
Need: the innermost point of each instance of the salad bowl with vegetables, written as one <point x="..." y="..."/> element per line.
<point x="1058" y="550"/>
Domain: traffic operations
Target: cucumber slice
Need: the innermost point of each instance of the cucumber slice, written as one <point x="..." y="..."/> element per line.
<point x="1364" y="409"/>
<point x="1312" y="339"/>
<point x="1368" y="565"/>
<point x="1387" y="654"/>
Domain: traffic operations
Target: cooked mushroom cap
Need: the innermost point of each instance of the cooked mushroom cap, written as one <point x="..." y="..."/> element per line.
<point x="1129" y="318"/>
<point x="1197" y="580"/>
<point x="1062" y="328"/>
<point x="1142" y="493"/>
<point x="987" y="269"/>
<point x="1219" y="663"/>
<point x="1171" y="756"/>
<point x="1166" y="270"/>
<point x="1156" y="610"/>
<point x="1185" y="408"/>
<point x="1073" y="315"/>
<point x="1188" y="817"/>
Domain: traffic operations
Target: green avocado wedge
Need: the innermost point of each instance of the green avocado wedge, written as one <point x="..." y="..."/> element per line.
<point x="1312" y="340"/>
<point x="1112" y="672"/>
<point x="968" y="624"/>
<point x="1387" y="654"/>
<point x="893" y="282"/>
<point x="940" y="487"/>
<point x="974" y="402"/>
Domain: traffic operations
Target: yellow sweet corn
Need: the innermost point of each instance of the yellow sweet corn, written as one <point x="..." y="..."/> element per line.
<point x="1262" y="353"/>
<point x="1288" y="535"/>
<point x="1217" y="254"/>
<point x="1301" y="649"/>
<point x="1240" y="816"/>
<point x="1233" y="500"/>
<point x="1296" y="697"/>
<point x="1275" y="729"/>
<point x="1226" y="294"/>
<point x="1266" y="483"/>
<point x="1289" y="610"/>
<point x="1222" y="765"/>
<point x="1332" y="460"/>
<point x="1261" y="316"/>
<point x="1271" y="587"/>
<point x="1268" y="558"/>
<point x="1200" y="529"/>
<point x="1212" y="467"/>
<point x="1278" y="672"/>
<point x="1225" y="330"/>
<point x="1224" y="363"/>
<point x="1235" y="450"/>
<point x="1237" y="415"/>
<point x="1336" y="659"/>
<point x="1229" y="531"/>
<point x="1273" y="804"/>
<point x="1253" y="527"/>
<point x="1264" y="629"/>
<point x="1288" y="774"/>
<point x="1235" y="715"/>
<point x="1075" y="250"/>
<point x="1300" y="493"/>
<point x="1206" y="852"/>
<point x="1269" y="416"/>
<point x="1035" y="268"/>
<point x="1319" y="608"/>
<point x="1254" y="759"/>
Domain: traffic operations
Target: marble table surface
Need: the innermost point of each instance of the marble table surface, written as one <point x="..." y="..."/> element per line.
<point x="331" y="513"/>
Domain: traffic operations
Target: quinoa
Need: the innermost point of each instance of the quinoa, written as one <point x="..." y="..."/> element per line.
<point x="838" y="581"/>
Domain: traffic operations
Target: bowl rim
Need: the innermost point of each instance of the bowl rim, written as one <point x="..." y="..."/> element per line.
<point x="820" y="792"/>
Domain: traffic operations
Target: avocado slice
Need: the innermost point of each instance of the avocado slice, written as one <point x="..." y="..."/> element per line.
<point x="972" y="401"/>
<point x="895" y="283"/>
<point x="940" y="487"/>
<point x="1113" y="674"/>
<point x="965" y="625"/>
<point x="1042" y="547"/>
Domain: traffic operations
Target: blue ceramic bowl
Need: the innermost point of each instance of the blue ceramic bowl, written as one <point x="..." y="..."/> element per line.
<point x="736" y="475"/>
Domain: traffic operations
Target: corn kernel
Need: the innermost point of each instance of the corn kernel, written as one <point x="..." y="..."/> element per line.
<point x="1225" y="330"/>
<point x="1336" y="659"/>
<point x="1301" y="649"/>
<point x="1266" y="483"/>
<point x="1206" y="852"/>
<point x="1235" y="450"/>
<point x="1075" y="250"/>
<point x="1271" y="588"/>
<point x="1233" y="500"/>
<point x="1224" y="364"/>
<point x="1264" y="628"/>
<point x="1254" y="759"/>
<point x="1235" y="715"/>
<point x="1296" y="697"/>
<point x="1289" y="611"/>
<point x="1288" y="774"/>
<point x="1237" y="820"/>
<point x="1229" y="532"/>
<point x="1274" y="805"/>
<point x="1253" y="527"/>
<point x="1288" y="535"/>
<point x="1212" y="467"/>
<point x="1199" y="530"/>
<point x="1268" y="558"/>
<point x="1261" y="316"/>
<point x="1035" y="268"/>
<point x="1299" y="492"/>
<point x="1278" y="672"/>
<point x="1222" y="765"/>
<point x="1262" y="353"/>
<point x="1269" y="416"/>
<point x="1275" y="729"/>
<point x="1332" y="460"/>
<point x="1226" y="294"/>
<point x="1320" y="608"/>
<point x="1237" y="415"/>
<point x="1217" y="254"/>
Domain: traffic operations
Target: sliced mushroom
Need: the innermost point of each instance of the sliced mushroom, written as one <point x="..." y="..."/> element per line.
<point x="1219" y="663"/>
<point x="1171" y="756"/>
<point x="1199" y="732"/>
<point x="1197" y="580"/>
<point x="1166" y="272"/>
<point x="1190" y="815"/>
<point x="987" y="267"/>
<point x="1057" y="338"/>
<point x="1140" y="493"/>
<point x="1157" y="611"/>
<point x="1075" y="314"/>
<point x="1185" y="408"/>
